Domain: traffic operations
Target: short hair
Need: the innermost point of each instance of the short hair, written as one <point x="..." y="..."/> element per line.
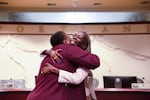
<point x="57" y="38"/>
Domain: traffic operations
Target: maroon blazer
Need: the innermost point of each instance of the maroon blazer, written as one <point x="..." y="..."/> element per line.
<point x="48" y="88"/>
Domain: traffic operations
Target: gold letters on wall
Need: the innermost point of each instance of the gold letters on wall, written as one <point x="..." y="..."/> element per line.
<point x="70" y="29"/>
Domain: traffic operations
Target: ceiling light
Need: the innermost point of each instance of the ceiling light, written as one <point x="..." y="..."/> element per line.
<point x="51" y="4"/>
<point x="74" y="3"/>
<point x="3" y="3"/>
<point x="144" y="2"/>
<point x="97" y="4"/>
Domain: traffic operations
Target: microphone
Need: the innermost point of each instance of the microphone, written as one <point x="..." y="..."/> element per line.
<point x="145" y="80"/>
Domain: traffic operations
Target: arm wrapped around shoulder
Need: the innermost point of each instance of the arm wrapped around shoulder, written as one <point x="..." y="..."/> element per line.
<point x="83" y="58"/>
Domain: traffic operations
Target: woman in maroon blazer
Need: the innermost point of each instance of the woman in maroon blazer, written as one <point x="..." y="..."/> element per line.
<point x="48" y="88"/>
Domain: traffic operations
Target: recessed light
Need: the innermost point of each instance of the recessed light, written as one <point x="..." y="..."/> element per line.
<point x="74" y="3"/>
<point x="144" y="2"/>
<point x="51" y="4"/>
<point x="3" y="3"/>
<point x="97" y="4"/>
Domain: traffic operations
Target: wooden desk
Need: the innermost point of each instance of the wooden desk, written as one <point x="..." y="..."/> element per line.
<point x="14" y="94"/>
<point x="122" y="94"/>
<point x="102" y="94"/>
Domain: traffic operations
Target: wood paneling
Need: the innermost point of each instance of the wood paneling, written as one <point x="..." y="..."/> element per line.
<point x="42" y="29"/>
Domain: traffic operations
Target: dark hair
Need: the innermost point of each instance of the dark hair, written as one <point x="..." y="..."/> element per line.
<point x="58" y="38"/>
